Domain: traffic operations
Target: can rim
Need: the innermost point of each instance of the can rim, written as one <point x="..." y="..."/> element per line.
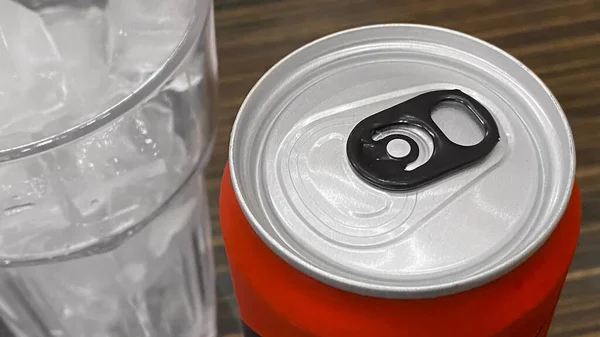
<point x="393" y="291"/>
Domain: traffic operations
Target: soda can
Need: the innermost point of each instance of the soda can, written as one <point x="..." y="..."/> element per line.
<point x="399" y="180"/>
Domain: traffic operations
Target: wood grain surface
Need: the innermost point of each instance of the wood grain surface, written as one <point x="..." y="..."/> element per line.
<point x="558" y="39"/>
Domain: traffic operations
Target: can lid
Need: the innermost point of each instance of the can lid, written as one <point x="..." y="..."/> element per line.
<point x="354" y="159"/>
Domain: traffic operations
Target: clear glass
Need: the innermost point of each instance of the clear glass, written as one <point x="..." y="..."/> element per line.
<point x="104" y="220"/>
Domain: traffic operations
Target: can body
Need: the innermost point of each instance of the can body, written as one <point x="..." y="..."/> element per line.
<point x="277" y="300"/>
<point x="399" y="180"/>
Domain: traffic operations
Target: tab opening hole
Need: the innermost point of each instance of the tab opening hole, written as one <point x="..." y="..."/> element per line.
<point x="458" y="123"/>
<point x="395" y="147"/>
<point x="398" y="148"/>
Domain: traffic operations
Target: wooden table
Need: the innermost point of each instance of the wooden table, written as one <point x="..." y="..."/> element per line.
<point x="557" y="39"/>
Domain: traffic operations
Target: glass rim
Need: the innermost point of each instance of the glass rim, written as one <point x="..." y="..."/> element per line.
<point x="195" y="28"/>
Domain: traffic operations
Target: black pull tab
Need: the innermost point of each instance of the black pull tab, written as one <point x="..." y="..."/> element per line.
<point x="371" y="160"/>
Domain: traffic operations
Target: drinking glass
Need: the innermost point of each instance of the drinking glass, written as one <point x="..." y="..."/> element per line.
<point x="105" y="132"/>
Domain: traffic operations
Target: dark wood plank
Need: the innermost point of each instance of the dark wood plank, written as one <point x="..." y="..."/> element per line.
<point x="559" y="40"/>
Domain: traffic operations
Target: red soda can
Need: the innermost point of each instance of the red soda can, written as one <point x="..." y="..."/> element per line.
<point x="399" y="180"/>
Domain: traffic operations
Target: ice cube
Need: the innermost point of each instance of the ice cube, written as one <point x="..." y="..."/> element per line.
<point x="151" y="15"/>
<point x="82" y="37"/>
<point x="93" y="168"/>
<point x="153" y="130"/>
<point x="33" y="222"/>
<point x="146" y="32"/>
<point x="34" y="88"/>
<point x="119" y="175"/>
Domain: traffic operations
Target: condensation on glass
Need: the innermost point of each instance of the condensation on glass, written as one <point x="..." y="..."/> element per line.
<point x="106" y="130"/>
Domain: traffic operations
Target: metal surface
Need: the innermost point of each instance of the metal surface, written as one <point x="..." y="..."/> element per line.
<point x="295" y="185"/>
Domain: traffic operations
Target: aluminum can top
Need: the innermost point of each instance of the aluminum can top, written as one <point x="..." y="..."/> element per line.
<point x="402" y="161"/>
